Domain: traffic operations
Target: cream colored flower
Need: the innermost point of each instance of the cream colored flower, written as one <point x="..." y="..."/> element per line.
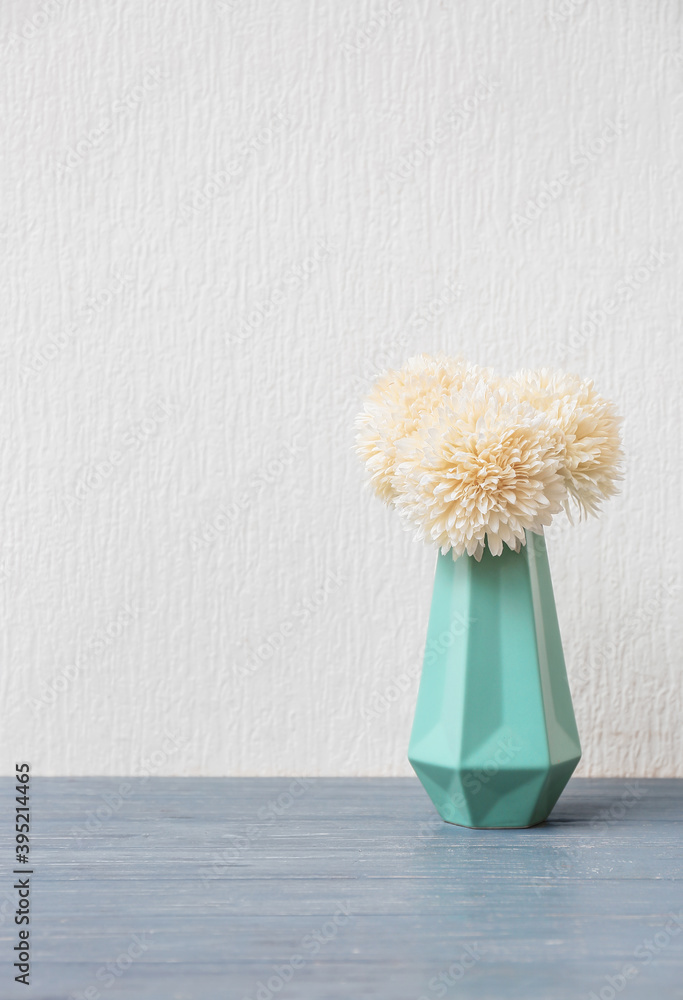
<point x="472" y="460"/>
<point x="400" y="403"/>
<point x="486" y="470"/>
<point x="586" y="431"/>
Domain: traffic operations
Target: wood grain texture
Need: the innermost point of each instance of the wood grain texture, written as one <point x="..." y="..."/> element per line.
<point x="222" y="891"/>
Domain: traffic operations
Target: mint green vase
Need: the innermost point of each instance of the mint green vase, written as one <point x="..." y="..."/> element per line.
<point x="494" y="738"/>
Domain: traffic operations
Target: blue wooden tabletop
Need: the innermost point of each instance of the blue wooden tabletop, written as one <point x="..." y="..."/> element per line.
<point x="338" y="888"/>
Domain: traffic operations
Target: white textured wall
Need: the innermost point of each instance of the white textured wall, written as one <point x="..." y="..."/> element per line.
<point x="219" y="220"/>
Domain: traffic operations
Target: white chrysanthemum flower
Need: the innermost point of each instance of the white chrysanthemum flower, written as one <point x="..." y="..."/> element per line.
<point x="486" y="471"/>
<point x="400" y="403"/>
<point x="586" y="430"/>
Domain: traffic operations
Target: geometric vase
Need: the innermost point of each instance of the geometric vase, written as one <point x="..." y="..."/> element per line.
<point x="494" y="739"/>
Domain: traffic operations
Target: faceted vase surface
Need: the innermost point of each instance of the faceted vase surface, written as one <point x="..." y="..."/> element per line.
<point x="494" y="739"/>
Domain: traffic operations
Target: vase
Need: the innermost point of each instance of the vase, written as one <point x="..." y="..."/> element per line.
<point x="494" y="738"/>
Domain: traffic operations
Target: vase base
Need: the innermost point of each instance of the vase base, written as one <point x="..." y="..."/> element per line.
<point x="526" y="826"/>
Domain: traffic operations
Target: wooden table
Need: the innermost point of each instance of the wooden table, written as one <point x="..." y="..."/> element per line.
<point x="338" y="888"/>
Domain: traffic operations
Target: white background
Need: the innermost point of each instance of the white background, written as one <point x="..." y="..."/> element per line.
<point x="219" y="221"/>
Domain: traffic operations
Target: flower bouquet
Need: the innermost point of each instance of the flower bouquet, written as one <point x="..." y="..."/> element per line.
<point x="479" y="464"/>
